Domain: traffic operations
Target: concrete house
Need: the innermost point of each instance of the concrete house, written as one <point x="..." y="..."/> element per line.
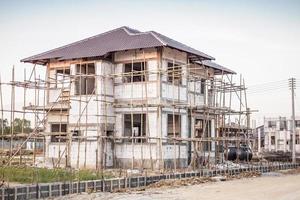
<point x="278" y="134"/>
<point x="126" y="98"/>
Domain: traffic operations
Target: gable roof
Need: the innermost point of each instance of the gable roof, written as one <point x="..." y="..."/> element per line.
<point x="123" y="38"/>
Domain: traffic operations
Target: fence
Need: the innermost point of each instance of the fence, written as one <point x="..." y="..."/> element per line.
<point x="60" y="189"/>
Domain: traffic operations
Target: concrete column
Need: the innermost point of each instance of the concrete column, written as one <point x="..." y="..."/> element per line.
<point x="276" y="140"/>
<point x="269" y="140"/>
<point x="284" y="140"/>
<point x="258" y="140"/>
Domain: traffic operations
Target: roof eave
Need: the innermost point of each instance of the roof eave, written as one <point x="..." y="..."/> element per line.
<point x="200" y="57"/>
<point x="225" y="71"/>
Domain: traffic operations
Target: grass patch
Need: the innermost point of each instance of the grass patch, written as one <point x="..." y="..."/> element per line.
<point x="44" y="175"/>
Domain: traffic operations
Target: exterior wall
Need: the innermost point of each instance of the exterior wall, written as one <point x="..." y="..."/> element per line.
<point x="283" y="138"/>
<point x="116" y="92"/>
<point x="85" y="106"/>
<point x="89" y="156"/>
<point x="172" y="91"/>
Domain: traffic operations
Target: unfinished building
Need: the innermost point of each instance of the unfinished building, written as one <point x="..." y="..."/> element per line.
<point x="278" y="134"/>
<point x="131" y="99"/>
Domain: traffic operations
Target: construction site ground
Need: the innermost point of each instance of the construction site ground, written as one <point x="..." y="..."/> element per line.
<point x="274" y="185"/>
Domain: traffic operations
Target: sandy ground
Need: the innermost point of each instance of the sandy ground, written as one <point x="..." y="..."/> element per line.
<point x="284" y="187"/>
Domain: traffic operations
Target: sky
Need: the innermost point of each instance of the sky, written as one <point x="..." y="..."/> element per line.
<point x="258" y="39"/>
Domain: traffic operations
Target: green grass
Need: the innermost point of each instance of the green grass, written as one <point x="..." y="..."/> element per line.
<point x="43" y="175"/>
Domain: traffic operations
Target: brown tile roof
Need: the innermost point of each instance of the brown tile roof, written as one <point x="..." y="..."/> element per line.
<point x="123" y="38"/>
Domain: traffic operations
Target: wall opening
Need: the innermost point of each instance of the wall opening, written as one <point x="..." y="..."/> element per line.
<point x="297" y="141"/>
<point x="85" y="79"/>
<point x="271" y="124"/>
<point x="272" y="140"/>
<point x="174" y="125"/>
<point x="202" y="86"/>
<point x="283" y="125"/>
<point x="174" y="73"/>
<point x="198" y="128"/>
<point x="297" y="123"/>
<point x="62" y="78"/>
<point x="135" y="125"/>
<point x="134" y="72"/>
<point x="58" y="128"/>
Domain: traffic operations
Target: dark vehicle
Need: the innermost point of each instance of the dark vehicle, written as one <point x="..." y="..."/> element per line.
<point x="243" y="153"/>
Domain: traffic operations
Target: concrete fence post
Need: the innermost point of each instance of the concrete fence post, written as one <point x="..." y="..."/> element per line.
<point x="15" y="193"/>
<point x="27" y="192"/>
<point x="60" y="188"/>
<point x="2" y="193"/>
<point x="103" y="185"/>
<point x="50" y="190"/>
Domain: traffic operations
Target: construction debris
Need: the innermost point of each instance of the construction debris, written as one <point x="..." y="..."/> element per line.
<point x="173" y="183"/>
<point x="244" y="175"/>
<point x="181" y="182"/>
<point x="291" y="171"/>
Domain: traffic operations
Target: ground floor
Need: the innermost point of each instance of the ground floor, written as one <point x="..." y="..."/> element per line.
<point x="280" y="141"/>
<point x="133" y="139"/>
<point x="125" y="155"/>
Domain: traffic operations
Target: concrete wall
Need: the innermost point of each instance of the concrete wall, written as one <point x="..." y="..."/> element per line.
<point x="115" y="91"/>
<point x="90" y="155"/>
<point x="283" y="139"/>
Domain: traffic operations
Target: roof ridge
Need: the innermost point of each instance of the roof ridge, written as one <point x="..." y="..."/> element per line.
<point x="174" y="40"/>
<point x="128" y="30"/>
<point x="159" y="35"/>
<point x="158" y="38"/>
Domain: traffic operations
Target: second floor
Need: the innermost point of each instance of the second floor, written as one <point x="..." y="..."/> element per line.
<point x="280" y="124"/>
<point x="128" y="65"/>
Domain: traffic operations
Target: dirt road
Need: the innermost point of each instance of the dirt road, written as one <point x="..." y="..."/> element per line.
<point x="285" y="187"/>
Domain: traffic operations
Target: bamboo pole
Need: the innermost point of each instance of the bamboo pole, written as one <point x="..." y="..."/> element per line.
<point x="105" y="117"/>
<point x="86" y="113"/>
<point x="147" y="115"/>
<point x="173" y="102"/>
<point x="98" y="152"/>
<point x="131" y="115"/>
<point x="2" y="117"/>
<point x="12" y="116"/>
<point x="44" y="114"/>
<point x="69" y="133"/>
<point x="79" y="115"/>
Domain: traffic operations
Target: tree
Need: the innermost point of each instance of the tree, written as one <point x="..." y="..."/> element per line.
<point x="4" y="124"/>
<point x="18" y="124"/>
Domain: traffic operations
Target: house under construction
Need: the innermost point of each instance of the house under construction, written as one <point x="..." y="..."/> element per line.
<point x="131" y="99"/>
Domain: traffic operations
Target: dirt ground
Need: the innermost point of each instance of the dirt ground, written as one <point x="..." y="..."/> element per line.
<point x="274" y="186"/>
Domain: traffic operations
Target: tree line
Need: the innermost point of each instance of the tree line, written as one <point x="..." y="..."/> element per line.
<point x="17" y="126"/>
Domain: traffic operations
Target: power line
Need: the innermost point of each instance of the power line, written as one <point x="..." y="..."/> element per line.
<point x="266" y="90"/>
<point x="268" y="83"/>
<point x="267" y="87"/>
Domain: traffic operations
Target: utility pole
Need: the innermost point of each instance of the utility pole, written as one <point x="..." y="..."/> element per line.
<point x="292" y="85"/>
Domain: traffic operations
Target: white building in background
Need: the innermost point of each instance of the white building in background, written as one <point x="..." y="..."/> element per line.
<point x="98" y="100"/>
<point x="278" y="134"/>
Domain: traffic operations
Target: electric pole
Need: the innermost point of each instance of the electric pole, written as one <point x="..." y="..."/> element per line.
<point x="292" y="85"/>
